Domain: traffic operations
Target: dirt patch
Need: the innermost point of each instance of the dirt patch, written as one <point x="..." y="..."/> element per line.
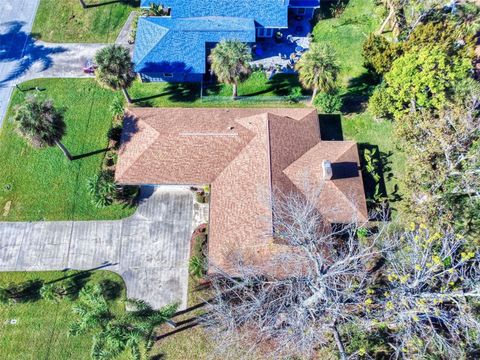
<point x="6" y="208"/>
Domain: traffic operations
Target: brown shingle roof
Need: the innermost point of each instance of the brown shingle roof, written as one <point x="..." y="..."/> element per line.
<point x="244" y="154"/>
<point x="342" y="199"/>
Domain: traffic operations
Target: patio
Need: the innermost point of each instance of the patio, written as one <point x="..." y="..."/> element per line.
<point x="280" y="53"/>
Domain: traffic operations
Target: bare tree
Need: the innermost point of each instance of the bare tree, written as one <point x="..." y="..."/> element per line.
<point x="443" y="171"/>
<point x="406" y="15"/>
<point x="415" y="284"/>
<point x="296" y="300"/>
<point x="430" y="282"/>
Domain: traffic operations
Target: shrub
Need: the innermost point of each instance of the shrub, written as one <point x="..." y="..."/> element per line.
<point x="67" y="288"/>
<point x="337" y="9"/>
<point x="362" y="233"/>
<point x="295" y="94"/>
<point x="133" y="31"/>
<point x="380" y="103"/>
<point x="49" y="292"/>
<point x="197" y="267"/>
<point x="115" y="133"/>
<point x="328" y="102"/>
<point x="22" y="292"/>
<point x="102" y="188"/>
<point x="379" y="54"/>
<point x="117" y="107"/>
<point x="127" y="194"/>
<point x="156" y="10"/>
<point x="110" y="158"/>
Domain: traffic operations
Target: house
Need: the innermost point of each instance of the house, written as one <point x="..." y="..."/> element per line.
<point x="175" y="48"/>
<point x="246" y="156"/>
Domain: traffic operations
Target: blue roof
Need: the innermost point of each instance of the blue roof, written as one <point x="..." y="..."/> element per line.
<point x="305" y="3"/>
<point x="267" y="13"/>
<point x="165" y="44"/>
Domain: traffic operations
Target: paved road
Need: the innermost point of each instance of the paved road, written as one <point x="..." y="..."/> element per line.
<point x="16" y="19"/>
<point x="149" y="250"/>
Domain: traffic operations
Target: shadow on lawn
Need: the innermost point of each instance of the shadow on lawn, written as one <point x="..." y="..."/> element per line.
<point x="375" y="188"/>
<point x="358" y="92"/>
<point x="92" y="153"/>
<point x="72" y="283"/>
<point x="330" y="127"/>
<point x="279" y="85"/>
<point x="174" y="92"/>
<point x="132" y="3"/>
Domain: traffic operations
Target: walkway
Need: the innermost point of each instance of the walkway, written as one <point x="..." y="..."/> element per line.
<point x="150" y="250"/>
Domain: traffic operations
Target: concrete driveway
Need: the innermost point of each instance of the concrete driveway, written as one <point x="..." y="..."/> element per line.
<point x="150" y="250"/>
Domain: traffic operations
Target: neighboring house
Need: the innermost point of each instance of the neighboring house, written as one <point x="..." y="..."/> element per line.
<point x="175" y="48"/>
<point x="245" y="155"/>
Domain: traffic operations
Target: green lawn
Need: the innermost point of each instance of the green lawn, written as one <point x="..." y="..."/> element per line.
<point x="372" y="134"/>
<point x="41" y="331"/>
<point x="256" y="91"/>
<point x="66" y="21"/>
<point x="41" y="184"/>
<point x="347" y="33"/>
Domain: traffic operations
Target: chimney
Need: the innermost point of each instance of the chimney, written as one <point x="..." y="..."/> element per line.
<point x="327" y="170"/>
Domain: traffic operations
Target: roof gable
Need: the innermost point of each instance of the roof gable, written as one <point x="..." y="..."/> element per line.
<point x="342" y="199"/>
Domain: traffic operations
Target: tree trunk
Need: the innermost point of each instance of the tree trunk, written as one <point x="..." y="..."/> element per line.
<point x="127" y="96"/>
<point x="338" y="341"/>
<point x="64" y="150"/>
<point x="83" y="4"/>
<point x="315" y="91"/>
<point x="384" y="24"/>
<point x="235" y="91"/>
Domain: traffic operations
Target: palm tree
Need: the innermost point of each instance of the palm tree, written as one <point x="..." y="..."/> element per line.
<point x="114" y="334"/>
<point x="91" y="309"/>
<point x="115" y="68"/>
<point x="231" y="62"/>
<point x="318" y="69"/>
<point x="132" y="331"/>
<point x="41" y="124"/>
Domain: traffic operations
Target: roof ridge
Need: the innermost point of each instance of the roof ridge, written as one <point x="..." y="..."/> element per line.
<point x="354" y="209"/>
<point x="255" y="134"/>
<point x="154" y="45"/>
<point x="270" y="167"/>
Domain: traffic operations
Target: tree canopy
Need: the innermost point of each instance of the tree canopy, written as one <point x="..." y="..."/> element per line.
<point x="318" y="69"/>
<point x="230" y="61"/>
<point x="41" y="123"/>
<point x="114" y="68"/>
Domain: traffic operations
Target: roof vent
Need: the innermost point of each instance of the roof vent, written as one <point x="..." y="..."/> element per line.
<point x="327" y="170"/>
<point x="231" y="127"/>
